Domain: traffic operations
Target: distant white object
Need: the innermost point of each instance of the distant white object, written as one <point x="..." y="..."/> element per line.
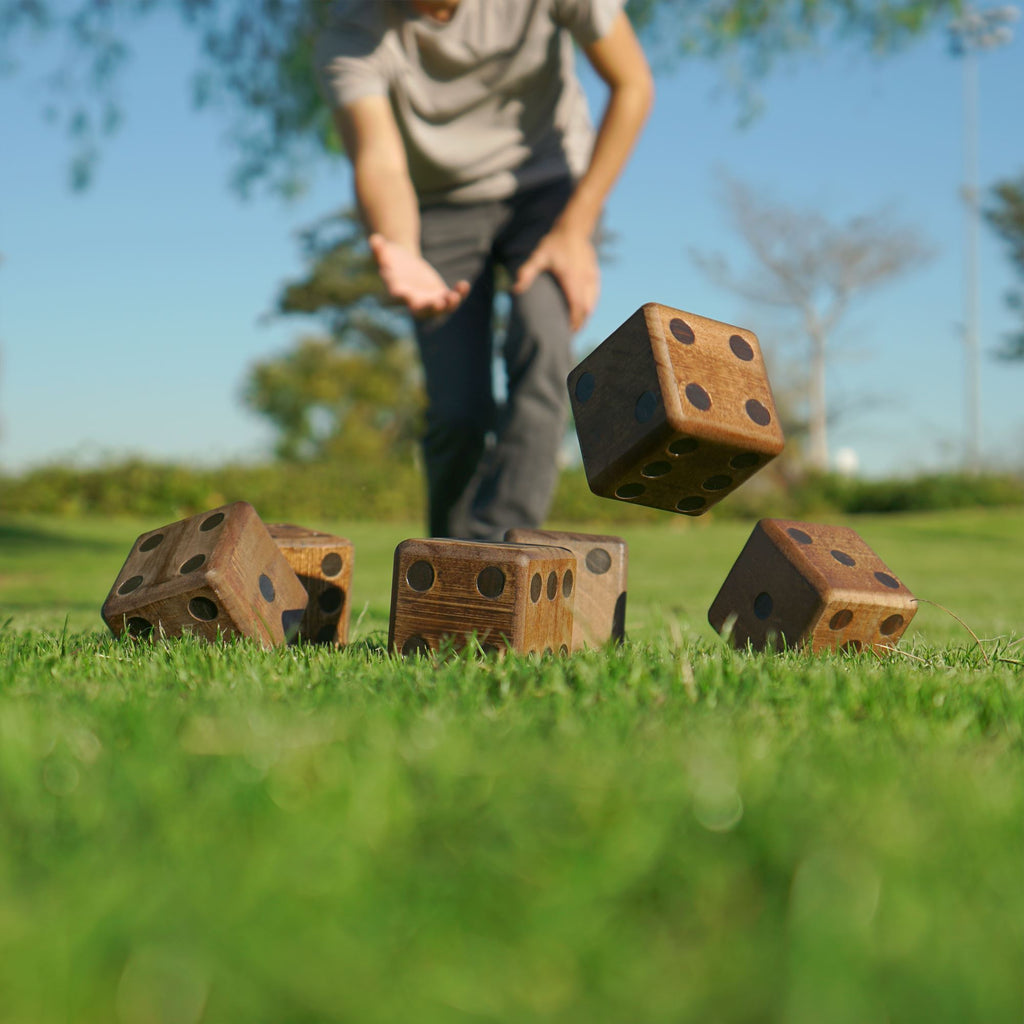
<point x="847" y="462"/>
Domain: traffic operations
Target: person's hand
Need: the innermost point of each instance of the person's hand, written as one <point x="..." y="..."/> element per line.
<point x="570" y="258"/>
<point x="409" y="278"/>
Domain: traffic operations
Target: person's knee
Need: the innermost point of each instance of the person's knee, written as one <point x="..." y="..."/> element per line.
<point x="538" y="351"/>
<point x="539" y="323"/>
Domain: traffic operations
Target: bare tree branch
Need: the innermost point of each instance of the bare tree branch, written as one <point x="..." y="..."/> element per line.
<point x="803" y="263"/>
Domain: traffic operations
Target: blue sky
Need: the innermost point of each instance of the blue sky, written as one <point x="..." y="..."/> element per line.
<point x="130" y="312"/>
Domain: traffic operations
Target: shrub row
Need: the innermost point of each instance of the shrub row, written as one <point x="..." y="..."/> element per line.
<point x="166" y="491"/>
<point x="394" y="491"/>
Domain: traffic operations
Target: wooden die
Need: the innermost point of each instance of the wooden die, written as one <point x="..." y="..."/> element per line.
<point x="323" y="564"/>
<point x="510" y="596"/>
<point x="808" y="585"/>
<point x="599" y="614"/>
<point x="674" y="411"/>
<point x="218" y="573"/>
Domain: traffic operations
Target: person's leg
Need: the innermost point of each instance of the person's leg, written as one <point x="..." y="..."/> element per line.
<point x="522" y="471"/>
<point x="456" y="352"/>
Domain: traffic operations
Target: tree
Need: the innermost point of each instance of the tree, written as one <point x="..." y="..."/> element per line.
<point x="812" y="269"/>
<point x="1006" y="215"/>
<point x="255" y="59"/>
<point x="355" y="392"/>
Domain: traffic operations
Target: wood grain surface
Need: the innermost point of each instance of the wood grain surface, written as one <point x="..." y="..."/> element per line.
<point x="674" y="410"/>
<point x="509" y="596"/>
<point x="323" y="564"/>
<point x="602" y="565"/>
<point x="809" y="585"/>
<point x="214" y="575"/>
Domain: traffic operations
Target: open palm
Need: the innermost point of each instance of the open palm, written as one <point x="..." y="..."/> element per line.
<point x="409" y="278"/>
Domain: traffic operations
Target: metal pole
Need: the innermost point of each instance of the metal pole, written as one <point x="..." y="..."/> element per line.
<point x="972" y="375"/>
<point x="976" y="29"/>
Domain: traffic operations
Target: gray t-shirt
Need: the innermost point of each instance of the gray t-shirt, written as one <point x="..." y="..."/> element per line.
<point x="487" y="104"/>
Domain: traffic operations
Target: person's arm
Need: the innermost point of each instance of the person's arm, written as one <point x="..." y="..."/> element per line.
<point x="567" y="251"/>
<point x="387" y="202"/>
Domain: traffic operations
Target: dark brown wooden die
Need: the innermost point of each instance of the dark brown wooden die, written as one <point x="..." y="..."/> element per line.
<point x="510" y="596"/>
<point x="323" y="564"/>
<point x="808" y="585"/>
<point x="217" y="574"/>
<point x="599" y="613"/>
<point x="674" y="411"/>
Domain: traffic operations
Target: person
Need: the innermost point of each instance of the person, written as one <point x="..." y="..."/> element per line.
<point x="472" y="150"/>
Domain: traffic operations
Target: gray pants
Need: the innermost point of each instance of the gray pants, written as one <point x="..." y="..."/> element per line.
<point x="489" y="469"/>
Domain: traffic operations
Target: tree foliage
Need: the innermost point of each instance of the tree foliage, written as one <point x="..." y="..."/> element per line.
<point x="327" y="402"/>
<point x="255" y="59"/>
<point x="805" y="266"/>
<point x="354" y="392"/>
<point x="1006" y="215"/>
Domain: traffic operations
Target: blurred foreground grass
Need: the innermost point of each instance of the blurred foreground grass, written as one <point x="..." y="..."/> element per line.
<point x="670" y="831"/>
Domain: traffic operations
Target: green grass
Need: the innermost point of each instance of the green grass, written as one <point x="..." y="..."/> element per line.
<point x="670" y="831"/>
<point x="55" y="571"/>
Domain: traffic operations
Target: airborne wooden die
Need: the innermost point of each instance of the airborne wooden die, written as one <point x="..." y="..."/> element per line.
<point x="804" y="584"/>
<point x="599" y="613"/>
<point x="510" y="596"/>
<point x="215" y="574"/>
<point x="323" y="564"/>
<point x="674" y="410"/>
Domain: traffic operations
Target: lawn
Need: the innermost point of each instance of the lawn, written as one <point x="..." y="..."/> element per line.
<point x="670" y="831"/>
<point x="55" y="572"/>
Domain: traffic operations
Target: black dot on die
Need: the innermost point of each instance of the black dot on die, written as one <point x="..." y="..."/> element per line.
<point x="758" y="413"/>
<point x="741" y="348"/>
<point x="327" y="634"/>
<point x="585" y="385"/>
<point x="416" y="646"/>
<point x="698" y="397"/>
<point x="683" y="446"/>
<point x="133" y="583"/>
<point x="202" y="608"/>
<point x="693" y="504"/>
<point x="491" y="582"/>
<point x="682" y="331"/>
<point x="646" y="406"/>
<point x="420" y="576"/>
<point x="887" y="581"/>
<point x="192" y="564"/>
<point x="841" y="619"/>
<point x="212" y="522"/>
<point x="890" y="625"/>
<point x="629" y="491"/>
<point x="718" y="482"/>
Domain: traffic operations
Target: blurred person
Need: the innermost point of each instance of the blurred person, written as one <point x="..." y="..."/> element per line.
<point x="472" y="149"/>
